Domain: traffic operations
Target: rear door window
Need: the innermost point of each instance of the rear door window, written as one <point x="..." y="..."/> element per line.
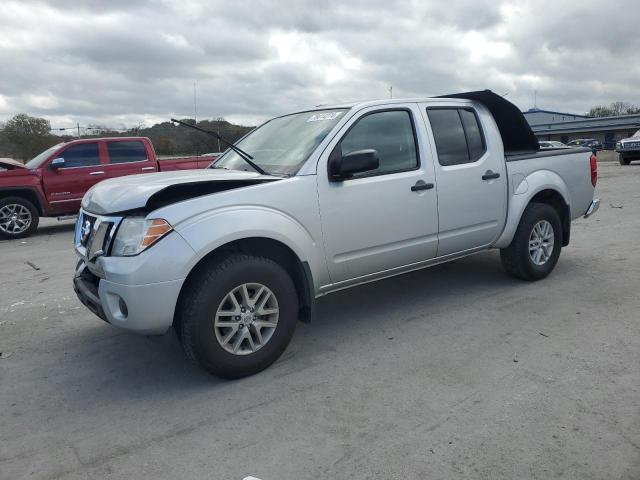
<point x="126" y="152"/>
<point x="81" y="155"/>
<point x="475" y="141"/>
<point x="457" y="134"/>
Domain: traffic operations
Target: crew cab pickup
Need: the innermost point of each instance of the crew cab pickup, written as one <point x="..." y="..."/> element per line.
<point x="53" y="183"/>
<point x="232" y="258"/>
<point x="628" y="149"/>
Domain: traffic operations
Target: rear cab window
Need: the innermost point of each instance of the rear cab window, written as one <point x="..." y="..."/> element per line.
<point x="458" y="135"/>
<point x="128" y="151"/>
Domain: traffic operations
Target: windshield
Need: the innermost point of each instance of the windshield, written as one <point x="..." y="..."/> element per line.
<point x="36" y="161"/>
<point x="637" y="134"/>
<point x="283" y="144"/>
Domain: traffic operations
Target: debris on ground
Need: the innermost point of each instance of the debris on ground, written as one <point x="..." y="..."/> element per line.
<point x="32" y="265"/>
<point x="4" y="355"/>
<point x="615" y="205"/>
<point x="544" y="334"/>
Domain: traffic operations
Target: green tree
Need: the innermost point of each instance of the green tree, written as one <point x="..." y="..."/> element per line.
<point x="164" y="146"/>
<point x="28" y="136"/>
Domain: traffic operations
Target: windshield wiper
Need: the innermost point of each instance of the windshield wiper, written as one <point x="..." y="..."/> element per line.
<point x="241" y="153"/>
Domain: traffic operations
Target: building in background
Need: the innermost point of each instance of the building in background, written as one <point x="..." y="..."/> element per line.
<point x="564" y="127"/>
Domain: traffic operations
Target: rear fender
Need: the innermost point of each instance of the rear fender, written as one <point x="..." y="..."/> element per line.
<point x="522" y="189"/>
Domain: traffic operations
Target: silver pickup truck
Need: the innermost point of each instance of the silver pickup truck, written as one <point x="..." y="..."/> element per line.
<point x="348" y="194"/>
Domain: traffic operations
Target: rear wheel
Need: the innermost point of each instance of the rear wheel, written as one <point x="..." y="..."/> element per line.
<point x="238" y="315"/>
<point x="18" y="217"/>
<point x="535" y="248"/>
<point x="623" y="160"/>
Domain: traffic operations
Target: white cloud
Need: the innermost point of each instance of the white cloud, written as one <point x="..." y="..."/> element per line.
<point x="121" y="62"/>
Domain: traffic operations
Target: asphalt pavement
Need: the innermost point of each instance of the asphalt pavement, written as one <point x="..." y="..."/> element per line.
<point x="457" y="371"/>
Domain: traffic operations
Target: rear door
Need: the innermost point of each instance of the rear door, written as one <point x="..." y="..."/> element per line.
<point x="128" y="157"/>
<point x="66" y="186"/>
<point x="470" y="177"/>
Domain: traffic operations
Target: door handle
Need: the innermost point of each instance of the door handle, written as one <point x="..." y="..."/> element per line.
<point x="490" y="175"/>
<point x="144" y="169"/>
<point x="420" y="185"/>
<point x="96" y="173"/>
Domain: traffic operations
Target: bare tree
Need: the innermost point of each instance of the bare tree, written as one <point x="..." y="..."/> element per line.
<point x="615" y="109"/>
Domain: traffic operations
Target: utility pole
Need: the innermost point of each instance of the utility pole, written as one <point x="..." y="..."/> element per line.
<point x="78" y="129"/>
<point x="535" y="99"/>
<point x="195" y="104"/>
<point x="390" y="91"/>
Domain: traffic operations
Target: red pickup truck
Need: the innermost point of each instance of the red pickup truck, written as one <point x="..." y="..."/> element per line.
<point x="53" y="183"/>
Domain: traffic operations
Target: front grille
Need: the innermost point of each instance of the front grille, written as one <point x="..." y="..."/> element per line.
<point x="94" y="235"/>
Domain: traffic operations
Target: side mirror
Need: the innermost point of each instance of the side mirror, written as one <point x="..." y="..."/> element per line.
<point x="57" y="163"/>
<point x="344" y="166"/>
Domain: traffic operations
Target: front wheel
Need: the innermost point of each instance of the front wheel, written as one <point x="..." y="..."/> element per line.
<point x="18" y="217"/>
<point x="238" y="315"/>
<point x="623" y="160"/>
<point x="535" y="248"/>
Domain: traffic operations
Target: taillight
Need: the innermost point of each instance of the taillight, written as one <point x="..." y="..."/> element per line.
<point x="594" y="169"/>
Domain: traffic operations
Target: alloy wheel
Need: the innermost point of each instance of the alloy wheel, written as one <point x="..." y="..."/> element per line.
<point x="541" y="242"/>
<point x="14" y="219"/>
<point x="246" y="318"/>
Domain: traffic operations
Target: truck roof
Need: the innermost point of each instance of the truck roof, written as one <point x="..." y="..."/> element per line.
<point x="516" y="133"/>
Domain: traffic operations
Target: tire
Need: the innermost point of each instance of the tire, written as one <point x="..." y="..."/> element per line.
<point x="622" y="160"/>
<point x="19" y="217"/>
<point x="207" y="293"/>
<point x="517" y="259"/>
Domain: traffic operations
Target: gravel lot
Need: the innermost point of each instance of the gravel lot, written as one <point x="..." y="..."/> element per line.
<point x="452" y="372"/>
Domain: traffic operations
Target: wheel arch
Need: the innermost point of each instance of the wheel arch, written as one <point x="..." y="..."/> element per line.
<point x="299" y="270"/>
<point x="29" y="194"/>
<point x="542" y="186"/>
<point x="554" y="199"/>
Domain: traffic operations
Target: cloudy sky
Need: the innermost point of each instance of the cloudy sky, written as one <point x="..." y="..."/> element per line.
<point x="120" y="62"/>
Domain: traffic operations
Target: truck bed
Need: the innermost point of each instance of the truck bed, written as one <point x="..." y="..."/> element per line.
<point x="567" y="167"/>
<point x="184" y="163"/>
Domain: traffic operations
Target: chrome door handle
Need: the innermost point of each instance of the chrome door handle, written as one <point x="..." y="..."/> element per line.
<point x="144" y="169"/>
<point x="490" y="175"/>
<point x="96" y="173"/>
<point x="420" y="185"/>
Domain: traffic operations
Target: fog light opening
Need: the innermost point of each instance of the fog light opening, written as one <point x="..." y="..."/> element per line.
<point x="123" y="308"/>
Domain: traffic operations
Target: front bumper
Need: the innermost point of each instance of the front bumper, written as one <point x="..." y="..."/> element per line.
<point x="145" y="309"/>
<point x="593" y="208"/>
<point x="137" y="293"/>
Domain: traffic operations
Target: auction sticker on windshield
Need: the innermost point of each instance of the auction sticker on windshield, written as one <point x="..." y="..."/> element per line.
<point x="317" y="117"/>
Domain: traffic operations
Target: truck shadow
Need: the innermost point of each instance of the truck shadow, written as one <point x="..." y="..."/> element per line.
<point x="119" y="364"/>
<point x="53" y="228"/>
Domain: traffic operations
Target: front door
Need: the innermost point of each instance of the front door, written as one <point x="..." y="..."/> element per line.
<point x="375" y="221"/>
<point x="66" y="186"/>
<point x="471" y="178"/>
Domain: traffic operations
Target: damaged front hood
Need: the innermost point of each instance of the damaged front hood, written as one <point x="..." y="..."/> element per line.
<point x="10" y="164"/>
<point x="154" y="190"/>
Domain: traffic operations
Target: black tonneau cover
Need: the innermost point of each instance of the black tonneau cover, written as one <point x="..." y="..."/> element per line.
<point x="516" y="133"/>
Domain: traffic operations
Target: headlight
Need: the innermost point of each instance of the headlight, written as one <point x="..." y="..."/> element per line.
<point x="136" y="234"/>
<point x="618" y="145"/>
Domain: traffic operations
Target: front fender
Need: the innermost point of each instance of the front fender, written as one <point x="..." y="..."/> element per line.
<point x="523" y="189"/>
<point x="213" y="229"/>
